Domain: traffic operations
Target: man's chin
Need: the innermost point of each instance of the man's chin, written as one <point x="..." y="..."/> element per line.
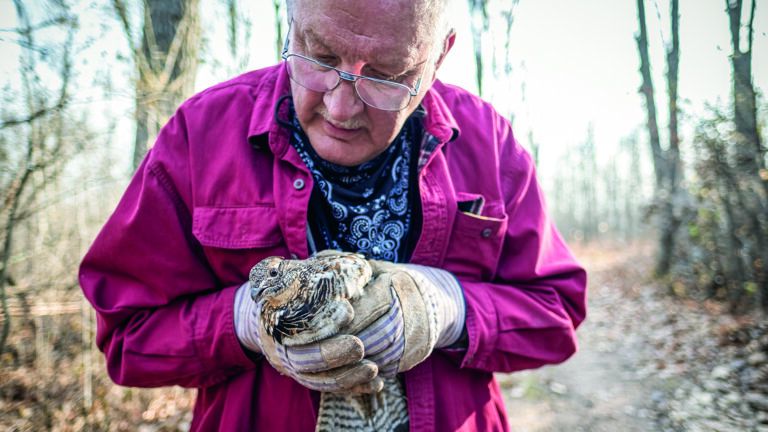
<point x="340" y="158"/>
<point x="339" y="152"/>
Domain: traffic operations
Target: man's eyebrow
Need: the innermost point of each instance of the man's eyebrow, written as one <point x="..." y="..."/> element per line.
<point x="308" y="36"/>
<point x="414" y="67"/>
<point x="401" y="69"/>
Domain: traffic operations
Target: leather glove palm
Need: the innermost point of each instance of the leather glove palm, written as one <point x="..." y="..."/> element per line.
<point x="426" y="310"/>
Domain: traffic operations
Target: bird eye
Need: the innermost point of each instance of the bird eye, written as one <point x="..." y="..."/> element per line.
<point x="272" y="272"/>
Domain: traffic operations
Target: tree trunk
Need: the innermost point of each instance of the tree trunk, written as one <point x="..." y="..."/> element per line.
<point x="666" y="164"/>
<point x="745" y="114"/>
<point x="478" y="10"/>
<point x="277" y="5"/>
<point x="647" y="90"/>
<point x="38" y="152"/>
<point x="9" y="228"/>
<point x="670" y="222"/>
<point x="633" y="187"/>
<point x="748" y="153"/>
<point x="167" y="66"/>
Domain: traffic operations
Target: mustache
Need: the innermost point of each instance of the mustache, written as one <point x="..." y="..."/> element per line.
<point x="353" y="123"/>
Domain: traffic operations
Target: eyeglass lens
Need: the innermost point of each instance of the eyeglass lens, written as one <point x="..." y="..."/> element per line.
<point x="322" y="79"/>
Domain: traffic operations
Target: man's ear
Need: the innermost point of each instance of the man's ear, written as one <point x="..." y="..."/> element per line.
<point x="447" y="45"/>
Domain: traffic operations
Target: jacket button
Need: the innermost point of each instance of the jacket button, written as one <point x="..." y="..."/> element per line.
<point x="486" y="233"/>
<point x="298" y="184"/>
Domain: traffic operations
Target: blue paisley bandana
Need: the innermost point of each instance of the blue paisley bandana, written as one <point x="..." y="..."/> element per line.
<point x="366" y="208"/>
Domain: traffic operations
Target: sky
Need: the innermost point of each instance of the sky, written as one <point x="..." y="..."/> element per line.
<point x="574" y="63"/>
<point x="578" y="63"/>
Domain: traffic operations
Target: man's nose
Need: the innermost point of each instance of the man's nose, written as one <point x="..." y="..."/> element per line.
<point x="342" y="102"/>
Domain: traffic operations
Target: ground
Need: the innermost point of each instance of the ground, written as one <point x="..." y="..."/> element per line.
<point x="599" y="388"/>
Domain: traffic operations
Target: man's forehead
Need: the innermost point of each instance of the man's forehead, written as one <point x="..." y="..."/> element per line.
<point x="364" y="48"/>
<point x="364" y="30"/>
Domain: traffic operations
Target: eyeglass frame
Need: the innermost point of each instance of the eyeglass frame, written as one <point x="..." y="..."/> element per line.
<point x="350" y="77"/>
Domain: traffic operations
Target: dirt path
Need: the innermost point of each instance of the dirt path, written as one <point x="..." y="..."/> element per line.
<point x="603" y="387"/>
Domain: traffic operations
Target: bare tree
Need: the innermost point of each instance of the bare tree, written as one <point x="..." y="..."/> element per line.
<point x="166" y="61"/>
<point x="40" y="157"/>
<point x="748" y="152"/>
<point x="729" y="234"/>
<point x="239" y="32"/>
<point x="480" y="23"/>
<point x="278" y="7"/>
<point x="647" y="90"/>
<point x="587" y="196"/>
<point x="633" y="187"/>
<point x="744" y="106"/>
<point x="666" y="163"/>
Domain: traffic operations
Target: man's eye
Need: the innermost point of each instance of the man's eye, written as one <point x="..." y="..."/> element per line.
<point x="387" y="77"/>
<point x="329" y="60"/>
<point x="381" y="76"/>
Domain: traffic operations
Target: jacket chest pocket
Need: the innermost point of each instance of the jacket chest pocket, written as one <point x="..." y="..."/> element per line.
<point x="476" y="241"/>
<point x="236" y="238"/>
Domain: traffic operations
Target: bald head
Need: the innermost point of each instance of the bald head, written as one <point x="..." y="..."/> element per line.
<point x="426" y="20"/>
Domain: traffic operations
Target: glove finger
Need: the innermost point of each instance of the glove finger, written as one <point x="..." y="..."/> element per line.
<point x="328" y="354"/>
<point x="330" y="253"/>
<point x="339" y="379"/>
<point x="380" y="267"/>
<point x="374" y="386"/>
<point x="376" y="301"/>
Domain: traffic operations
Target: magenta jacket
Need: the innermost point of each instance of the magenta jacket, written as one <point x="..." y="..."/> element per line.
<point x="222" y="188"/>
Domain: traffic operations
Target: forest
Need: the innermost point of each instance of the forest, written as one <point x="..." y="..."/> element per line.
<point x="670" y="219"/>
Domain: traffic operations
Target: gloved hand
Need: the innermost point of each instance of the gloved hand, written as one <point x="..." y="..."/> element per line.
<point x="426" y="310"/>
<point x="334" y="364"/>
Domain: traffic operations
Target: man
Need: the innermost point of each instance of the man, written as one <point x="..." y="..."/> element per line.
<point x="350" y="144"/>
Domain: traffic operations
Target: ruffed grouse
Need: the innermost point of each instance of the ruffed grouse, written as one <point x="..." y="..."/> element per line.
<point x="301" y="299"/>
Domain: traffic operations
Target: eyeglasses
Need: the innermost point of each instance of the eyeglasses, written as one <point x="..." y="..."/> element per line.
<point x="317" y="76"/>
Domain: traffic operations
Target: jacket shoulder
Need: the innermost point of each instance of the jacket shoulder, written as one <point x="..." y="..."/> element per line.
<point x="475" y="117"/>
<point x="247" y="85"/>
<point x="457" y="98"/>
<point x="479" y="122"/>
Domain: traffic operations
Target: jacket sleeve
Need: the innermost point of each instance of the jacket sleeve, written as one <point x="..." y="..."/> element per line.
<point x="527" y="315"/>
<point x="162" y="317"/>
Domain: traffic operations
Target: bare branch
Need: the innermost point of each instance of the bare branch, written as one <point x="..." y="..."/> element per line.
<point x="647" y="90"/>
<point x="751" y="27"/>
<point x="232" y="27"/>
<point x="122" y="14"/>
<point x="32" y="117"/>
<point x="734" y="14"/>
<point x="60" y="20"/>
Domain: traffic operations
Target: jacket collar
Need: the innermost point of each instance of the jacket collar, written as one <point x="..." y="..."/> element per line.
<point x="274" y="83"/>
<point x="438" y="120"/>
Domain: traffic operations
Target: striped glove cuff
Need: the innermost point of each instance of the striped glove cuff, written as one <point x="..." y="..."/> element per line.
<point x="246" y="319"/>
<point x="451" y="307"/>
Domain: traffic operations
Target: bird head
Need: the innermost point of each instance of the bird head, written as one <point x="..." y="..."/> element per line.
<point x="265" y="277"/>
<point x="293" y="293"/>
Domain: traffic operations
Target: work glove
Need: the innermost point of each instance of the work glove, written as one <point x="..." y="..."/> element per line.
<point x="334" y="364"/>
<point x="425" y="310"/>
